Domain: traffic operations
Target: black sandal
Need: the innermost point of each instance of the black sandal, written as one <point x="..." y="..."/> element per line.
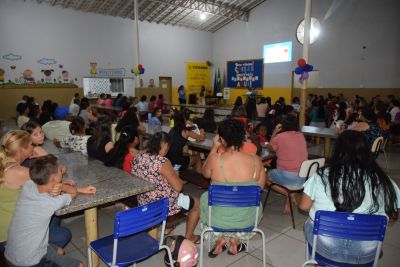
<point x="211" y="254"/>
<point x="240" y="247"/>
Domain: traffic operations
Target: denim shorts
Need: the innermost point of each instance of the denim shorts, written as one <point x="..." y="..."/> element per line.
<point x="341" y="250"/>
<point x="285" y="178"/>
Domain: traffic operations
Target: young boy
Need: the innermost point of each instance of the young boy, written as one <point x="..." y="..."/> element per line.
<point x="28" y="235"/>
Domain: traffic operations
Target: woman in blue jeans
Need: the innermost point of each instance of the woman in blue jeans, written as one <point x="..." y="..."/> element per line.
<point x="352" y="181"/>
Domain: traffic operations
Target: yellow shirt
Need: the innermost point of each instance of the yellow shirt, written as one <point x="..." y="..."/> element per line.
<point x="8" y="201"/>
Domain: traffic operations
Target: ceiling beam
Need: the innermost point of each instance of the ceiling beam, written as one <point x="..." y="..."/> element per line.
<point x="90" y="6"/>
<point x="113" y="7"/>
<point x="219" y="10"/>
<point x="125" y="8"/>
<point x="100" y="7"/>
<point x="169" y="13"/>
<point x="181" y="18"/>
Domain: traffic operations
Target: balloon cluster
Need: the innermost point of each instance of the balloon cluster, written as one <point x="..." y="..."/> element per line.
<point x="138" y="70"/>
<point x="303" y="69"/>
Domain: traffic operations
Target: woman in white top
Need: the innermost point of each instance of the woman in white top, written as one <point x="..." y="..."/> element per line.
<point x="352" y="181"/>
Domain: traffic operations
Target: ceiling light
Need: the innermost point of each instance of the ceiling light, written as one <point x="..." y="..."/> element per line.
<point x="203" y="16"/>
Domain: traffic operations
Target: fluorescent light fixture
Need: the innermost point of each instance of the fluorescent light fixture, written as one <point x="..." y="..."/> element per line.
<point x="203" y="16"/>
<point x="279" y="52"/>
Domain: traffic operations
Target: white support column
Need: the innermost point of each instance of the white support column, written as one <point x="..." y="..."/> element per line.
<point x="136" y="41"/>
<point x="306" y="45"/>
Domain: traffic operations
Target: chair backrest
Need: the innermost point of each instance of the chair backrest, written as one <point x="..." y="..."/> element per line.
<point x="141" y="218"/>
<point x="309" y="167"/>
<point x="234" y="196"/>
<point x="346" y="225"/>
<point x="376" y="146"/>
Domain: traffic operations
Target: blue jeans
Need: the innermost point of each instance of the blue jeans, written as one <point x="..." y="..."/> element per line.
<point x="341" y="250"/>
<point x="2" y="246"/>
<point x="285" y="178"/>
<point x="58" y="235"/>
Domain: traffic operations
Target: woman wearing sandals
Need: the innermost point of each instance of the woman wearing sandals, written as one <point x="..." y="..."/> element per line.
<point x="151" y="165"/>
<point x="233" y="167"/>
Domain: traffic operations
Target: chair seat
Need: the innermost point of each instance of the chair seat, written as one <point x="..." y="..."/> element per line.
<point x="290" y="187"/>
<point x="324" y="261"/>
<point x="131" y="249"/>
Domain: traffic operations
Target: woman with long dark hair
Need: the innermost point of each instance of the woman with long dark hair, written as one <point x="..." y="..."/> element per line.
<point x="124" y="150"/>
<point x="100" y="143"/>
<point x="352" y="181"/>
<point x="131" y="118"/>
<point x="179" y="135"/>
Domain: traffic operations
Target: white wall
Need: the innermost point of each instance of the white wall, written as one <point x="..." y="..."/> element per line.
<point x="76" y="38"/>
<point x="337" y="52"/>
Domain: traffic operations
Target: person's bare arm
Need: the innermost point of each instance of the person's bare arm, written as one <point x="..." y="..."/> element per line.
<point x="109" y="146"/>
<point x="18" y="176"/>
<point x="305" y="203"/>
<point x="198" y="137"/>
<point x="87" y="190"/>
<point x="261" y="174"/>
<point x="207" y="166"/>
<point x="38" y="152"/>
<point x="168" y="172"/>
<point x="69" y="190"/>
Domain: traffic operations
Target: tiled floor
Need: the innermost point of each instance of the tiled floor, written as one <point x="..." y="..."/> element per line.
<point x="284" y="245"/>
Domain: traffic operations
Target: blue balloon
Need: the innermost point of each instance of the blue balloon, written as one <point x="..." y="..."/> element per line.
<point x="308" y="67"/>
<point x="298" y="70"/>
<point x="141" y="71"/>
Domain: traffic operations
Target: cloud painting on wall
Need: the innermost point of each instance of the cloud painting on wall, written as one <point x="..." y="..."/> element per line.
<point x="12" y="57"/>
<point x="47" y="61"/>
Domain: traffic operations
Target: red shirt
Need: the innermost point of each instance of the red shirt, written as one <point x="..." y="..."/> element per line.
<point x="127" y="166"/>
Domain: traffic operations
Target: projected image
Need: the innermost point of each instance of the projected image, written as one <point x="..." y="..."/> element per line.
<point x="279" y="52"/>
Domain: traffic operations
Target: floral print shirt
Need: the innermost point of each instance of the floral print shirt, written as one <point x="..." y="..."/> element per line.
<point x="148" y="167"/>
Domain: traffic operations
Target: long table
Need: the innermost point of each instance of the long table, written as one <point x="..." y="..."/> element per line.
<point x="112" y="184"/>
<point x="326" y="133"/>
<point x="202" y="146"/>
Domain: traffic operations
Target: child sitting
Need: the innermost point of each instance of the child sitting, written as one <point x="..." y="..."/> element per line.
<point x="37" y="137"/>
<point x="78" y="140"/>
<point x="155" y="118"/>
<point x="28" y="235"/>
<point x="23" y="111"/>
<point x="261" y="133"/>
<point x="124" y="150"/>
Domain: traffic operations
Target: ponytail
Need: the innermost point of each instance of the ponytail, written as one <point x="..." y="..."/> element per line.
<point x="12" y="141"/>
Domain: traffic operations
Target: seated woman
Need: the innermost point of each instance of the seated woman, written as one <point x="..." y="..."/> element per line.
<point x="99" y="144"/>
<point x="179" y="135"/>
<point x="233" y="167"/>
<point x="152" y="165"/>
<point x="351" y="181"/>
<point x="124" y="150"/>
<point x="207" y="122"/>
<point x="368" y="125"/>
<point x="291" y="150"/>
<point x="131" y="118"/>
<point x="16" y="147"/>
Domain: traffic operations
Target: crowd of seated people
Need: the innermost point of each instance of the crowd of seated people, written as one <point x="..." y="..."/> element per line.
<point x="234" y="158"/>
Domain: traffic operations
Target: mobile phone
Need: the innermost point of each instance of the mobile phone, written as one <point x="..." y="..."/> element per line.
<point x="177" y="167"/>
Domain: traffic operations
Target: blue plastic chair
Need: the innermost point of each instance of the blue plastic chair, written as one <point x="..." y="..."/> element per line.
<point x="349" y="226"/>
<point x="233" y="196"/>
<point x="130" y="242"/>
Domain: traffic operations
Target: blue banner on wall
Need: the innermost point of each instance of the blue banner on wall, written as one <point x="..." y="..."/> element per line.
<point x="245" y="73"/>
